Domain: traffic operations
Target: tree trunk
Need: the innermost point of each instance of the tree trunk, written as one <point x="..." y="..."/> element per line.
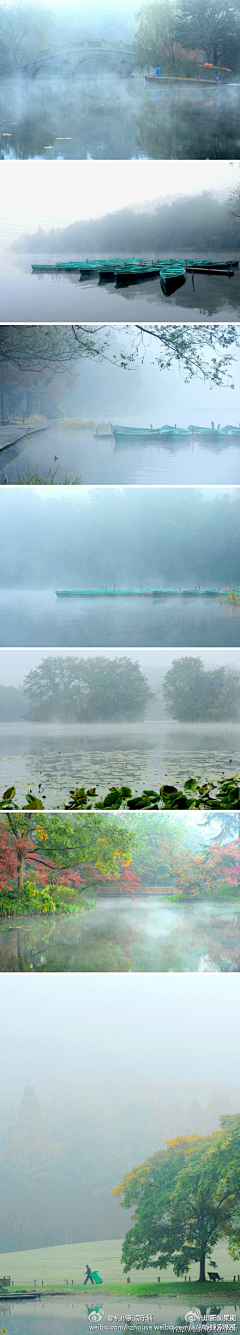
<point x="20" y="873"/>
<point x="4" y="401"/>
<point x="202" y="1275"/>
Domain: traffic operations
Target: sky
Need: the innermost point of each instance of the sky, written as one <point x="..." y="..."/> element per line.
<point x="144" y="394"/>
<point x="54" y="194"/>
<point x="152" y="1027"/>
<point x="16" y="663"/>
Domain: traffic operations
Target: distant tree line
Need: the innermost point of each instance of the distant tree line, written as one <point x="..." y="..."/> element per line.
<point x="100" y="689"/>
<point x="149" y="538"/>
<point x="198" y="221"/>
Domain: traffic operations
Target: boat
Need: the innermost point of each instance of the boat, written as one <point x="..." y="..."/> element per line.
<point x="172" y="276"/>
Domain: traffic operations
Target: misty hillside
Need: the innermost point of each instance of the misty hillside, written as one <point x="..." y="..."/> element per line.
<point x="201" y="222"/>
<point x="61" y="1158"/>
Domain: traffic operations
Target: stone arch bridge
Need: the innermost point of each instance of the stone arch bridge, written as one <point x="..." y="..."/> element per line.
<point x="78" y="59"/>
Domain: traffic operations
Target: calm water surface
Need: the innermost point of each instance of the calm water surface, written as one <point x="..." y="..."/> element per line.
<point x="101" y="115"/>
<point x="99" y="755"/>
<point x="38" y="618"/>
<point x="27" y="297"/>
<point x="125" y="935"/>
<point x="79" y="454"/>
<point x="48" y="1316"/>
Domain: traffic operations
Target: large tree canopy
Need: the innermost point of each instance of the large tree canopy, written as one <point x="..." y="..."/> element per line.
<point x="86" y="689"/>
<point x="192" y="693"/>
<point x="185" y="1199"/>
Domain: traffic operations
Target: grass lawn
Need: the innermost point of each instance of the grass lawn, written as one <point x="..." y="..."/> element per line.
<point x="55" y="1265"/>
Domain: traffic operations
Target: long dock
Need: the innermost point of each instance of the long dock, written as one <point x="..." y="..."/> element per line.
<point x="143" y="593"/>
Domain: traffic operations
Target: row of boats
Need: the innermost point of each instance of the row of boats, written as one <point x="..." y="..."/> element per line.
<point x="172" y="272"/>
<point x="173" y="433"/>
<point x="143" y="593"/>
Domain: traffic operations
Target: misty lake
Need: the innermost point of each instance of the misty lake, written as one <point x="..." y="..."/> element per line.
<point x="102" y="115"/>
<point x="27" y="297"/>
<point x="79" y="454"/>
<point x="124" y="935"/>
<point x="141" y="755"/>
<point x="37" y="618"/>
<point x="49" y="1316"/>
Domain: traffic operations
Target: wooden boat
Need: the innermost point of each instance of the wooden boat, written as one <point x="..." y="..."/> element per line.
<point x="172" y="276"/>
<point x="148" y="433"/>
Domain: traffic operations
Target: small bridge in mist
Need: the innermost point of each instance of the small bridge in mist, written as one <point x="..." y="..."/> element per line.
<point x="76" y="59"/>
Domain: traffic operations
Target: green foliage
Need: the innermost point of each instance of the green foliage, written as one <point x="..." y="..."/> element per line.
<point x="155" y="36"/>
<point x="218" y="796"/>
<point x="214" y="27"/>
<point x="185" y="1198"/>
<point x="86" y="689"/>
<point x="192" y="693"/>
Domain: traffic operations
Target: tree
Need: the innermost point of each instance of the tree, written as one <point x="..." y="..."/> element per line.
<point x="202" y="350"/>
<point x="185" y="1199"/>
<point x="155" y="38"/>
<point x="38" y="353"/>
<point x="212" y="25"/>
<point x="192" y="693"/>
<point x="25" y="30"/>
<point x="86" y="689"/>
<point x="53" y="848"/>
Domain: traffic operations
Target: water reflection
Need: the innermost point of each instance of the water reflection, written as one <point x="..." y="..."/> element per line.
<point x="48" y="1316"/>
<point x="140" y="755"/>
<point x="36" y="617"/>
<point x="27" y="297"/>
<point x="109" y="461"/>
<point x="101" y="115"/>
<point x="121" y="935"/>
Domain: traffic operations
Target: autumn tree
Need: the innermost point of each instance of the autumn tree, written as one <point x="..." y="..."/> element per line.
<point x="56" y="849"/>
<point x="185" y="1199"/>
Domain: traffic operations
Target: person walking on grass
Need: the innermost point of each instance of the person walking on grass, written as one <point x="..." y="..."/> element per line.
<point x="88" y="1275"/>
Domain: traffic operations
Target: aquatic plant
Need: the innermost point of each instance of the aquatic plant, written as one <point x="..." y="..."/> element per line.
<point x="223" y="794"/>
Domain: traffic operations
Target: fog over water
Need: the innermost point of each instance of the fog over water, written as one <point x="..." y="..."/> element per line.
<point x="138" y="396"/>
<point x="92" y="539"/>
<point x="115" y="212"/>
<point x="153" y="750"/>
<point x="98" y="114"/>
<point x="103" y="755"/>
<point x="58" y="297"/>
<point x="80" y="455"/>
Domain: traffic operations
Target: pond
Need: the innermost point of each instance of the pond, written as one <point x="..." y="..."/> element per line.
<point x="141" y="755"/>
<point x="105" y="116"/>
<point x="49" y="1316"/>
<point x="27" y="297"/>
<point x="107" y="461"/>
<point x="121" y="935"/>
<point x="37" y="618"/>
